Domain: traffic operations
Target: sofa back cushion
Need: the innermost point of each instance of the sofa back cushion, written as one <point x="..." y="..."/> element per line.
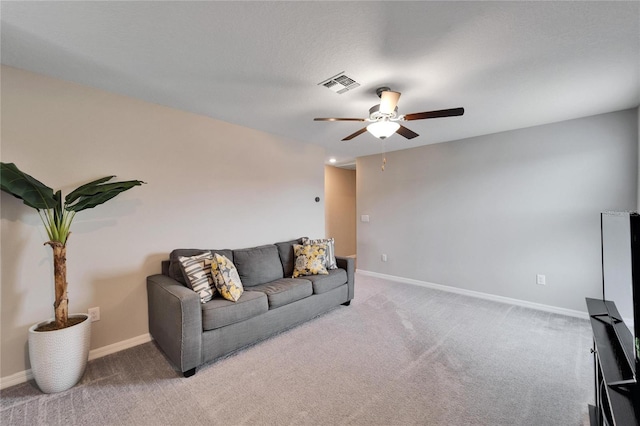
<point x="258" y="265"/>
<point x="287" y="257"/>
<point x="175" y="271"/>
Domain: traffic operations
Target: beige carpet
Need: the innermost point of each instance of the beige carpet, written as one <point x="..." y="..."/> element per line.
<point x="399" y="355"/>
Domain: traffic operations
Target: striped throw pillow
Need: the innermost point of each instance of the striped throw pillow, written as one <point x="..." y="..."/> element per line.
<point x="197" y="273"/>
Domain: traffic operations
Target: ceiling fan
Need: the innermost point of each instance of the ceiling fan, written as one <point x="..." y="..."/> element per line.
<point x="384" y="117"/>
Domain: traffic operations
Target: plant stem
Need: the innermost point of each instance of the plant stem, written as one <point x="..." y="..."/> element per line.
<point x="60" y="277"/>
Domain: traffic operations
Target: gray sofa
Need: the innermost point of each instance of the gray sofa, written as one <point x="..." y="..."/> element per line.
<point x="192" y="333"/>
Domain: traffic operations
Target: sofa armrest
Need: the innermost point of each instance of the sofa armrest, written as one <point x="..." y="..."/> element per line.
<point x="348" y="264"/>
<point x="175" y="320"/>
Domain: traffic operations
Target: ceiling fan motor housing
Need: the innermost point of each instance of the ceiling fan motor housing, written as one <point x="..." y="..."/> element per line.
<point x="379" y="91"/>
<point x="375" y="114"/>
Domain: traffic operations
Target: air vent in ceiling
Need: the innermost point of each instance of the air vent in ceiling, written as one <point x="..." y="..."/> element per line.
<point x="340" y="83"/>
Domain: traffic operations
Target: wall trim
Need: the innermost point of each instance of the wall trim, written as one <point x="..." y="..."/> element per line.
<point x="26" y="375"/>
<point x="119" y="346"/>
<point x="478" y="294"/>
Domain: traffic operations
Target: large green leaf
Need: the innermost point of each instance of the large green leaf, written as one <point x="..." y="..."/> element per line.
<point x="91" y="195"/>
<point x="86" y="188"/>
<point x="30" y="190"/>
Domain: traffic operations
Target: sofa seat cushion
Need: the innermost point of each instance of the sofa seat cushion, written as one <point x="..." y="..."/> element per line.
<point x="324" y="283"/>
<point x="284" y="291"/>
<point x="219" y="312"/>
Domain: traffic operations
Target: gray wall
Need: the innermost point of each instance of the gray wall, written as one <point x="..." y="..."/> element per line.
<point x="489" y="213"/>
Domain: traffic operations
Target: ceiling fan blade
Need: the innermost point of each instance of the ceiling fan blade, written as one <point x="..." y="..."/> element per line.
<point x="353" y="135"/>
<point x="339" y="119"/>
<point x="434" y="114"/>
<point x="407" y="133"/>
<point x="388" y="101"/>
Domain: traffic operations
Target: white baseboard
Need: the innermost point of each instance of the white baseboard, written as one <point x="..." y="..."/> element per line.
<point x="120" y="346"/>
<point x="15" y="379"/>
<point x="480" y="295"/>
<point x="24" y="376"/>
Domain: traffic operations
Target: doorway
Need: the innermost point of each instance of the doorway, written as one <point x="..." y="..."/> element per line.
<point x="340" y="209"/>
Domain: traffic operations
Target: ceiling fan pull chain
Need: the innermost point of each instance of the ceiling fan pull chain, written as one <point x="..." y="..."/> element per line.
<point x="384" y="155"/>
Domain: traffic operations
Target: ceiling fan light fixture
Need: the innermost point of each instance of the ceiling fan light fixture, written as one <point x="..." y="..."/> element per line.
<point x="383" y="129"/>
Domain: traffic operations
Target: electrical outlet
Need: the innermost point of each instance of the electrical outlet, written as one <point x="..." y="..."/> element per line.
<point x="384" y="257"/>
<point x="541" y="279"/>
<point x="94" y="314"/>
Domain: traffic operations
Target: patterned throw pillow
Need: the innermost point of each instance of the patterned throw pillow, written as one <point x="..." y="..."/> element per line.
<point x="227" y="280"/>
<point x="310" y="259"/>
<point x="331" y="251"/>
<point x="197" y="272"/>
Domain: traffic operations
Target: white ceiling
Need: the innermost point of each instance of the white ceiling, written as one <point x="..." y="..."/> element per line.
<point x="258" y="64"/>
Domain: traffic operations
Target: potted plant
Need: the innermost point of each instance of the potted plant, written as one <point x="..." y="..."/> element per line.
<point x="59" y="348"/>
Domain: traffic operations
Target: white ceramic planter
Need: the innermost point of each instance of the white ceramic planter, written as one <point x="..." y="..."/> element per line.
<point x="58" y="358"/>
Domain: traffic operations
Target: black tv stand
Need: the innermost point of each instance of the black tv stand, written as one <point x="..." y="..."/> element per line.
<point x="617" y="392"/>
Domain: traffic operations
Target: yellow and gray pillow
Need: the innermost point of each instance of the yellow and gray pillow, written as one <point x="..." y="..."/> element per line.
<point x="310" y="259"/>
<point x="226" y="278"/>
<point x="330" y="261"/>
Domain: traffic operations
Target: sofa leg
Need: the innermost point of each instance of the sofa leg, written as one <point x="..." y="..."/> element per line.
<point x="189" y="373"/>
<point x="347" y="303"/>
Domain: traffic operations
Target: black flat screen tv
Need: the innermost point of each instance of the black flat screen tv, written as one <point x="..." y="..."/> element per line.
<point x="620" y="233"/>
